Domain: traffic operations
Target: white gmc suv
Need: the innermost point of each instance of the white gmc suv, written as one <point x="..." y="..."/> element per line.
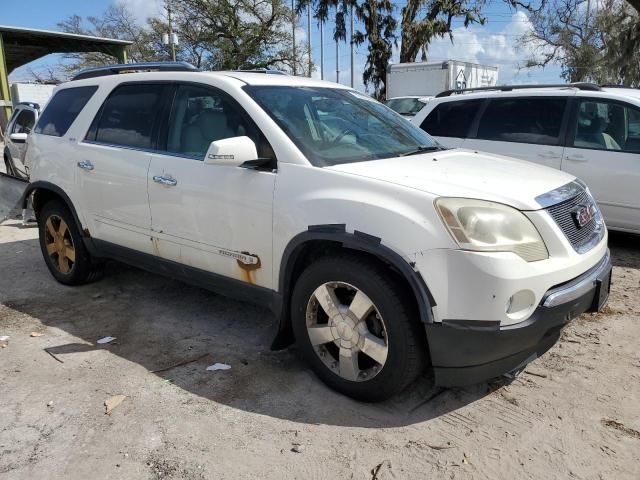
<point x="380" y="252"/>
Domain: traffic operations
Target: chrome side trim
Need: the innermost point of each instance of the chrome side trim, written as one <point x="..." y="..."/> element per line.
<point x="560" y="194"/>
<point x="579" y="286"/>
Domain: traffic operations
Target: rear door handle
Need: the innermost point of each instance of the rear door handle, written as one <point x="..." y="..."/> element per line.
<point x="85" y="165"/>
<point x="576" y="158"/>
<point x="548" y="155"/>
<point x="164" y="180"/>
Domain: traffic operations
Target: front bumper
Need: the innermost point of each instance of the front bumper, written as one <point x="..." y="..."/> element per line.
<point x="464" y="352"/>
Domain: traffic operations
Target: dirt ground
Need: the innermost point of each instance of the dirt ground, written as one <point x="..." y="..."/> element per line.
<point x="574" y="413"/>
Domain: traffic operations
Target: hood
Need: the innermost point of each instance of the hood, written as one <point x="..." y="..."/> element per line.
<point x="466" y="173"/>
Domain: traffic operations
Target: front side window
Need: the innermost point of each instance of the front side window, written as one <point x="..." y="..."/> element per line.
<point x="201" y="115"/>
<point x="24" y="122"/>
<point x="333" y="126"/>
<point x="63" y="109"/>
<point x="536" y="120"/>
<point x="603" y="125"/>
<point x="130" y="116"/>
<point x="451" y="119"/>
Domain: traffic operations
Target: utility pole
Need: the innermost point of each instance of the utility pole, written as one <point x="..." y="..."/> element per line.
<point x="309" y="37"/>
<point x="171" y="42"/>
<point x="321" y="50"/>
<point x="337" y="57"/>
<point x="293" y="22"/>
<point x="353" y="52"/>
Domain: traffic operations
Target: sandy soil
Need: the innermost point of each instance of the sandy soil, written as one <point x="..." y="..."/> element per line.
<point x="574" y="413"/>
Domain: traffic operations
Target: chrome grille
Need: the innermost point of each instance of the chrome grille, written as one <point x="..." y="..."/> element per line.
<point x="581" y="238"/>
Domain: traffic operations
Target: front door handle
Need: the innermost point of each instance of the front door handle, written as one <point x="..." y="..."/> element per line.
<point x="548" y="155"/>
<point x="164" y="180"/>
<point x="85" y="165"/>
<point x="576" y="158"/>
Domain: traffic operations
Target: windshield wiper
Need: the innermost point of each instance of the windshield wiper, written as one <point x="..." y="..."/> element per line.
<point x="423" y="149"/>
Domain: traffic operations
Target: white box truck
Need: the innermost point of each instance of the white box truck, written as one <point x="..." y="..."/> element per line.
<point x="431" y="78"/>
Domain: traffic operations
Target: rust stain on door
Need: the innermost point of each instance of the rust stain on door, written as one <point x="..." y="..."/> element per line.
<point x="248" y="269"/>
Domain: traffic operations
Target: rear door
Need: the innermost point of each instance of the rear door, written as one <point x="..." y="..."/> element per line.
<point x="450" y="122"/>
<point x="212" y="217"/>
<point x="113" y="163"/>
<point x="604" y="151"/>
<point x="526" y="128"/>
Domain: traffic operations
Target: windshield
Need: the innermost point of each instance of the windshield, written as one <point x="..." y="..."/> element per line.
<point x="405" y="106"/>
<point x="333" y="126"/>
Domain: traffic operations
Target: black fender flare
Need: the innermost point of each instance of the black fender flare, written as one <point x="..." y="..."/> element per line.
<point x="358" y="241"/>
<point x="44" y="185"/>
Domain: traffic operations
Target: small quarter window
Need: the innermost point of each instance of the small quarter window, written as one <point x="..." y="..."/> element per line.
<point x="63" y="109"/>
<point x="451" y="119"/>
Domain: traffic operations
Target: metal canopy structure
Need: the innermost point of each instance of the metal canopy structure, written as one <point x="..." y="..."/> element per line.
<point x="19" y="46"/>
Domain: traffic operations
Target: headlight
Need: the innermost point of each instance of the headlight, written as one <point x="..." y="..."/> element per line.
<point x="484" y="226"/>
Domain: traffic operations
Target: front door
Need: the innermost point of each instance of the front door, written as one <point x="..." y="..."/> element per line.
<point x="211" y="217"/>
<point x="113" y="164"/>
<point x="604" y="151"/>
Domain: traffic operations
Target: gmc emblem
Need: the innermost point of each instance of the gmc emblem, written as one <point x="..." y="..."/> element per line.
<point x="583" y="214"/>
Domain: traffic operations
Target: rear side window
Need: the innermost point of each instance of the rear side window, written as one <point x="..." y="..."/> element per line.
<point x="526" y="120"/>
<point x="129" y="116"/>
<point x="451" y="119"/>
<point x="63" y="109"/>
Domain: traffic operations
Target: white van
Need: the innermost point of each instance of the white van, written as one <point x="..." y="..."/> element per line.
<point x="588" y="131"/>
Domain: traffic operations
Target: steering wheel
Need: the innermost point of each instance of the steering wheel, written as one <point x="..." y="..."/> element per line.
<point x="342" y="134"/>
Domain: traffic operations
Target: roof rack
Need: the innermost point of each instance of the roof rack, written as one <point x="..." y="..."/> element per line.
<point x="268" y="71"/>
<point x="508" y="88"/>
<point x="134" y="67"/>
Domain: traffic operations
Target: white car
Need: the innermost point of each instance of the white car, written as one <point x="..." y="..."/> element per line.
<point x="379" y="251"/>
<point x="19" y="127"/>
<point x="588" y="131"/>
<point x="407" y="106"/>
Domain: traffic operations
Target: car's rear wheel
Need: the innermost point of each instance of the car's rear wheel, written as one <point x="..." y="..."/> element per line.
<point x="64" y="252"/>
<point x="356" y="328"/>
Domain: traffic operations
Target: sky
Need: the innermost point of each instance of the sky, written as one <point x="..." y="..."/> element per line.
<point x="495" y="43"/>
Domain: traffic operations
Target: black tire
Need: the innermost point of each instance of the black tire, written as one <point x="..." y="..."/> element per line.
<point x="79" y="271"/>
<point x="404" y="336"/>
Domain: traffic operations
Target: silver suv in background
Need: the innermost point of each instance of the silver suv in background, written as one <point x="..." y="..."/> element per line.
<point x="19" y="127"/>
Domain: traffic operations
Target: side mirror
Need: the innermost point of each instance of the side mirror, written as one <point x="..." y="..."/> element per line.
<point x="18" y="137"/>
<point x="231" y="152"/>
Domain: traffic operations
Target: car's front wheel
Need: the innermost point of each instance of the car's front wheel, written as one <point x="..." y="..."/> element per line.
<point x="356" y="328"/>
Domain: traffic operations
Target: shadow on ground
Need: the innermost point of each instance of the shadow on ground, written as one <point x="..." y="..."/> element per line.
<point x="625" y="249"/>
<point x="159" y="323"/>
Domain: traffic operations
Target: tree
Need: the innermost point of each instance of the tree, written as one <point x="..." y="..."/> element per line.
<point x="117" y="21"/>
<point x="590" y="45"/>
<point x="563" y="34"/>
<point x="621" y="23"/>
<point x="213" y="34"/>
<point x="240" y="33"/>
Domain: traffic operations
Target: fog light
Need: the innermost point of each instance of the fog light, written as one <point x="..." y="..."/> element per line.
<point x="520" y="304"/>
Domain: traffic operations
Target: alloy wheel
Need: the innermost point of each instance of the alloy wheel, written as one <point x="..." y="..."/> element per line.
<point x="59" y="244"/>
<point x="347" y="331"/>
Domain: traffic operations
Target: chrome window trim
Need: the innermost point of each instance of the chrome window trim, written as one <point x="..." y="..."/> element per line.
<point x="145" y="150"/>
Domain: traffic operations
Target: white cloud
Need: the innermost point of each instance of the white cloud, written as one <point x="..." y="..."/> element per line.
<point x="144" y="9"/>
<point x="502" y="48"/>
